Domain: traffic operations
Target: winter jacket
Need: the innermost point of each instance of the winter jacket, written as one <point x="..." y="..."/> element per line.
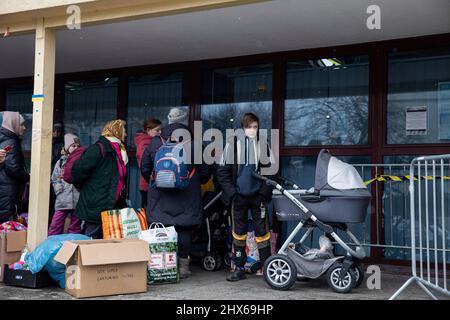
<point x="141" y="140"/>
<point x="66" y="194"/>
<point x="96" y="175"/>
<point x="231" y="170"/>
<point x="174" y="207"/>
<point x="13" y="175"/>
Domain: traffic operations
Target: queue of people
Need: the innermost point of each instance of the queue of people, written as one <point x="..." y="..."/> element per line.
<point x="99" y="182"/>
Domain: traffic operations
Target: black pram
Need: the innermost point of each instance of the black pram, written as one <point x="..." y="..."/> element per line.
<point x="211" y="241"/>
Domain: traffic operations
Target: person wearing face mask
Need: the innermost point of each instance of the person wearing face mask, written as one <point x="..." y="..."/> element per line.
<point x="244" y="193"/>
<point x="13" y="175"/>
<point x="66" y="194"/>
<point x="101" y="174"/>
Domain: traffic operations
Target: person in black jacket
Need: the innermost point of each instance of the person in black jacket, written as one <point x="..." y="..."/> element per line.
<point x="244" y="192"/>
<point x="13" y="175"/>
<point x="179" y="208"/>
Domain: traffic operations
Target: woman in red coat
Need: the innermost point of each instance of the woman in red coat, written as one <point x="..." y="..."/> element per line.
<point x="152" y="128"/>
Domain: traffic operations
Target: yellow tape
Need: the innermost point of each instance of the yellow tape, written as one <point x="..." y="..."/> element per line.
<point x="384" y="178"/>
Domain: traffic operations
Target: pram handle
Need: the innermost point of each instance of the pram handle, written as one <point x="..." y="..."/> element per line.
<point x="275" y="183"/>
<point x="289" y="182"/>
<point x="266" y="180"/>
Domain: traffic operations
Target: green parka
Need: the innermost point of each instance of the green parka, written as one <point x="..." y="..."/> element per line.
<point x="96" y="175"/>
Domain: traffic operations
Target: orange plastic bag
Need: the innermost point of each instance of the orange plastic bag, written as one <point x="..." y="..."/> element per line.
<point x="124" y="223"/>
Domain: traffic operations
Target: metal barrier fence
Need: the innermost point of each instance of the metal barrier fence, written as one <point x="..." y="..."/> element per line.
<point x="429" y="209"/>
<point x="388" y="224"/>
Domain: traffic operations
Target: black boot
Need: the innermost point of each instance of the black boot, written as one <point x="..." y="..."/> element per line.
<point x="239" y="272"/>
<point x="236" y="275"/>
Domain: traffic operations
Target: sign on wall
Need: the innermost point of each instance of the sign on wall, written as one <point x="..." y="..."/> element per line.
<point x="416" y="121"/>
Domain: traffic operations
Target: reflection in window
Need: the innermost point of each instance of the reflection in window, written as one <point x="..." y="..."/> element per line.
<point x="228" y="94"/>
<point x="18" y="98"/>
<point x="327" y="102"/>
<point x="152" y="96"/>
<point x="419" y="80"/>
<point x="88" y="106"/>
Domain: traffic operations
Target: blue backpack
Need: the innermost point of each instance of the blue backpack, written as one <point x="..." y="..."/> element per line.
<point x="170" y="170"/>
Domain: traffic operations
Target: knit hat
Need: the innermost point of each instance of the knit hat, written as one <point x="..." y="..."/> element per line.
<point x="57" y="125"/>
<point x="70" y="139"/>
<point x="178" y="115"/>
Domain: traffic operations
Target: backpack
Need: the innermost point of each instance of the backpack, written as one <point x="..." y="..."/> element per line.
<point x="170" y="169"/>
<point x="71" y="159"/>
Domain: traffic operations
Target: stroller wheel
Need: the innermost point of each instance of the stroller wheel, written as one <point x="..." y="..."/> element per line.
<point x="227" y="259"/>
<point x="359" y="274"/>
<point x="212" y="262"/>
<point x="339" y="285"/>
<point x="280" y="272"/>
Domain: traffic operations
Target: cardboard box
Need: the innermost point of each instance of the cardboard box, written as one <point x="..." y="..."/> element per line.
<point x="26" y="279"/>
<point x="104" y="267"/>
<point x="11" y="245"/>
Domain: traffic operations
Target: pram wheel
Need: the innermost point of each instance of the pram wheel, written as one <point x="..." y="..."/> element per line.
<point x="280" y="272"/>
<point x="339" y="285"/>
<point x="212" y="262"/>
<point x="359" y="274"/>
<point x="227" y="259"/>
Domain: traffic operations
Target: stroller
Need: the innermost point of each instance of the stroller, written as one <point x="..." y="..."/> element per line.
<point x="339" y="197"/>
<point x="211" y="242"/>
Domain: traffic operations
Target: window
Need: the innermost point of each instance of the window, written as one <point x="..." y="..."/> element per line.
<point x="152" y="96"/>
<point x="88" y="106"/>
<point x="327" y="102"/>
<point x="18" y="98"/>
<point x="228" y="94"/>
<point x="418" y="103"/>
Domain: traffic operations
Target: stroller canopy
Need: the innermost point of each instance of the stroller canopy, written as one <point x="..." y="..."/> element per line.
<point x="332" y="173"/>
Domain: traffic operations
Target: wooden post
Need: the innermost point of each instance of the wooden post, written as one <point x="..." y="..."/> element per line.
<point x="41" y="147"/>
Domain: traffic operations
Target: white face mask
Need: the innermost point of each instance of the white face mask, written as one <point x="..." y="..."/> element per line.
<point x="251" y="132"/>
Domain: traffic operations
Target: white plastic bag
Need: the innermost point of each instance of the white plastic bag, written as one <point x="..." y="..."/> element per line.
<point x="163" y="246"/>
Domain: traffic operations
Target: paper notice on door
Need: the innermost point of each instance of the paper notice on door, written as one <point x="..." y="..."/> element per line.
<point x="416" y="121"/>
